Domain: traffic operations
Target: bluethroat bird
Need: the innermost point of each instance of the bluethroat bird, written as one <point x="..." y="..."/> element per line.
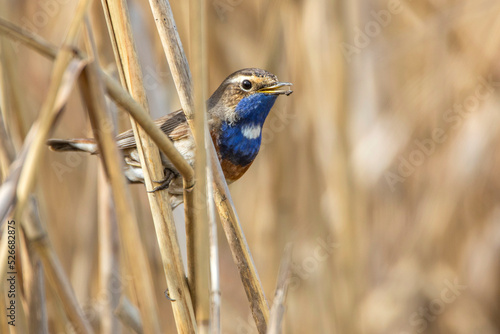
<point x="236" y="114"/>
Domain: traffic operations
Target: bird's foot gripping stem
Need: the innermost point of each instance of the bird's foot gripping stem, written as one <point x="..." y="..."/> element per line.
<point x="165" y="182"/>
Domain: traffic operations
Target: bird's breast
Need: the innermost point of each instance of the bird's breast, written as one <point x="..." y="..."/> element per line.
<point x="233" y="172"/>
<point x="230" y="161"/>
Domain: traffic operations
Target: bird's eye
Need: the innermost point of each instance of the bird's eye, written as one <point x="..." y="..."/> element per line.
<point x="246" y="85"/>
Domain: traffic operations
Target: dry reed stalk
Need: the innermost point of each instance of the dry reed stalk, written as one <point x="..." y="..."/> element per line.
<point x="117" y="93"/>
<point x="35" y="288"/>
<point x="64" y="74"/>
<point x="55" y="274"/>
<point x="5" y="160"/>
<point x="239" y="247"/>
<point x="215" y="294"/>
<point x="27" y="38"/>
<point x="26" y="284"/>
<point x="172" y="46"/>
<point x="179" y="68"/>
<point x="140" y="115"/>
<point x="21" y="175"/>
<point x="6" y="149"/>
<point x="15" y="99"/>
<point x="37" y="239"/>
<point x="199" y="257"/>
<point x="165" y="26"/>
<point x="136" y="257"/>
<point x="108" y="254"/>
<point x="21" y="321"/>
<point x="24" y="274"/>
<point x="278" y="308"/>
<point x="58" y="280"/>
<point x="116" y="13"/>
<point x="38" y="320"/>
<point x="348" y="256"/>
<point x="8" y="188"/>
<point x="53" y="103"/>
<point x="33" y="229"/>
<point x="129" y="315"/>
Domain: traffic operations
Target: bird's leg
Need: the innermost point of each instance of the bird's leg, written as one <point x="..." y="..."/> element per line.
<point x="165" y="182"/>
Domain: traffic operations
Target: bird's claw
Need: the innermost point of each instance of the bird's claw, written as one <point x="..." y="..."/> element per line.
<point x="169" y="176"/>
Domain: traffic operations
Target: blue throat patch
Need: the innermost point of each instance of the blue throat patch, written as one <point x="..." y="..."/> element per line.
<point x="252" y="112"/>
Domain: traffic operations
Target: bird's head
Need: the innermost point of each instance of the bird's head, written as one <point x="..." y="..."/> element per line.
<point x="237" y="111"/>
<point x="246" y="96"/>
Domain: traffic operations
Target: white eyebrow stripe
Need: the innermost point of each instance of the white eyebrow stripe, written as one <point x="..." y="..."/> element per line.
<point x="238" y="79"/>
<point x="251" y="131"/>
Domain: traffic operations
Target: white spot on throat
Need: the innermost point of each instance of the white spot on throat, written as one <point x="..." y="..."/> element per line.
<point x="251" y="131"/>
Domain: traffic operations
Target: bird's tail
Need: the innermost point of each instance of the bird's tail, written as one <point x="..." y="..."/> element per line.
<point x="78" y="145"/>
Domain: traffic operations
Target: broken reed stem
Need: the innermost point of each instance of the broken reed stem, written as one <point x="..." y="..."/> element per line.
<point x="116" y="12"/>
<point x="135" y="252"/>
<point x="179" y="68"/>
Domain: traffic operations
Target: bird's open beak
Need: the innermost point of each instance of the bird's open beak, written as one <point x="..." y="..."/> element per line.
<point x="277" y="89"/>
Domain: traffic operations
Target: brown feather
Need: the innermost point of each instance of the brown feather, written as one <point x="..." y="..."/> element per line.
<point x="174" y="125"/>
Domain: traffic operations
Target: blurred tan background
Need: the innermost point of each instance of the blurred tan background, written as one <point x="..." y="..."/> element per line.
<point x="382" y="168"/>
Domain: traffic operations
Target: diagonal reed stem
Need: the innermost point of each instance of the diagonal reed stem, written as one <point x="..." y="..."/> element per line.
<point x="49" y="110"/>
<point x="65" y="72"/>
<point x="224" y="204"/>
<point x="135" y="252"/>
<point x="179" y="67"/>
<point x="116" y="13"/>
<point x="117" y="93"/>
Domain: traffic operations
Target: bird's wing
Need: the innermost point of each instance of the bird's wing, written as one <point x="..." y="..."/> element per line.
<point x="174" y="125"/>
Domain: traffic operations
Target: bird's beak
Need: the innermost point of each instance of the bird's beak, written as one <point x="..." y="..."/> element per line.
<point x="277" y="89"/>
